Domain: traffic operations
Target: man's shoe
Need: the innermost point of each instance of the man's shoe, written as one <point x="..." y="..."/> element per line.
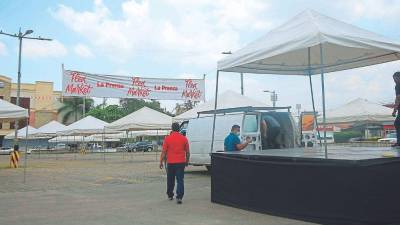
<point x="179" y="201"/>
<point x="170" y="198"/>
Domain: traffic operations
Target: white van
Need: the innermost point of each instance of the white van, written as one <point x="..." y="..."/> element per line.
<point x="199" y="130"/>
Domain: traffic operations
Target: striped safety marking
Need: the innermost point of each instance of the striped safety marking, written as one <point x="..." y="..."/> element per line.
<point x="14" y="158"/>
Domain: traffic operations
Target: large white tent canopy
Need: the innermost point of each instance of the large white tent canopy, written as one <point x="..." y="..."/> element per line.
<point x="22" y="133"/>
<point x="85" y="126"/>
<point x="359" y="110"/>
<point x="142" y="119"/>
<point x="284" y="50"/>
<point x="50" y="129"/>
<point x="309" y="44"/>
<point x="11" y="112"/>
<point x="228" y="99"/>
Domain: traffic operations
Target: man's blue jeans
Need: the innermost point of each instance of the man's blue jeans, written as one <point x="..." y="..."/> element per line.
<point x="175" y="170"/>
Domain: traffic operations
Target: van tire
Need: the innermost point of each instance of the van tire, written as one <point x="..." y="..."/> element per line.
<point x="149" y="149"/>
<point x="208" y="168"/>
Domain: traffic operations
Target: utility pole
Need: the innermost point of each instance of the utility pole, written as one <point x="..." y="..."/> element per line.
<point x="20" y="37"/>
<point x="274" y="97"/>
<point x="241" y="75"/>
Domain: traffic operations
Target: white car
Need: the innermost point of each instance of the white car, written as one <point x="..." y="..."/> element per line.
<point x="5" y="151"/>
<point x="390" y="138"/>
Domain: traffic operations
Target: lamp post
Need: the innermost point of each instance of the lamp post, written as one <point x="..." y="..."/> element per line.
<point x="241" y="74"/>
<point x="274" y="97"/>
<point x="21" y="36"/>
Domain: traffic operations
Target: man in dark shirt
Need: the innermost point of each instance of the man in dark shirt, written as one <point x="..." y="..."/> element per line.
<point x="396" y="78"/>
<point x="232" y="141"/>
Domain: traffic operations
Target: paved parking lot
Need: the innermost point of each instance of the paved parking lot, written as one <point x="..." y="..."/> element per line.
<point x="123" y="189"/>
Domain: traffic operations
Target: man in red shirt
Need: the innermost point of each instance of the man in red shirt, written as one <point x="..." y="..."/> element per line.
<point x="176" y="151"/>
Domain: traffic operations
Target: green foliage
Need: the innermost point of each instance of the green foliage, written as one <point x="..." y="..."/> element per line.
<point x="344" y="136"/>
<point x="109" y="113"/>
<point x="72" y="108"/>
<point x="114" y="112"/>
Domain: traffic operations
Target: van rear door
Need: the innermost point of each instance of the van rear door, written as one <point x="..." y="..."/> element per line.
<point x="251" y="128"/>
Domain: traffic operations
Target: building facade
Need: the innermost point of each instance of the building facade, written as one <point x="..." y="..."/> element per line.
<point x="39" y="97"/>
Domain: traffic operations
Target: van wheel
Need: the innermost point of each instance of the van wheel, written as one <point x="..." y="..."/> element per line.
<point x="149" y="149"/>
<point x="208" y="168"/>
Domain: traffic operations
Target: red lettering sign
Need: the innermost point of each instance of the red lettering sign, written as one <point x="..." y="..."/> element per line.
<point x="77" y="77"/>
<point x="139" y="92"/>
<point x="79" y="89"/>
<point x="137" y="82"/>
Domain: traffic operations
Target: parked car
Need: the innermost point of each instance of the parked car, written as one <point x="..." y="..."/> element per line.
<point x="356" y="139"/>
<point x="60" y="146"/>
<point x="390" y="138"/>
<point x="143" y="146"/>
<point x="130" y="147"/>
<point x="5" y="151"/>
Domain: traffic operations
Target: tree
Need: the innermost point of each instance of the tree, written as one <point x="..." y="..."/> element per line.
<point x="72" y="108"/>
<point x="109" y="113"/>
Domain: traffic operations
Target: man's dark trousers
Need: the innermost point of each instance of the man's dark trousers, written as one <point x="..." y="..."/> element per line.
<point x="397" y="126"/>
<point x="175" y="170"/>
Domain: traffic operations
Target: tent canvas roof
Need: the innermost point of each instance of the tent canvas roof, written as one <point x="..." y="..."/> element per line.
<point x="50" y="129"/>
<point x="11" y="112"/>
<point x="359" y="110"/>
<point x="84" y="126"/>
<point x="228" y="99"/>
<point x="142" y="119"/>
<point x="284" y="50"/>
<point x="22" y="133"/>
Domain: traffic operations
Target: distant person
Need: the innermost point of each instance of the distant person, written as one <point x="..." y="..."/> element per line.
<point x="232" y="141"/>
<point x="396" y="78"/>
<point x="270" y="130"/>
<point x="176" y="151"/>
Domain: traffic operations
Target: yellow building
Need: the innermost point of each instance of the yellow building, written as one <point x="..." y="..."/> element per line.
<point x="39" y="97"/>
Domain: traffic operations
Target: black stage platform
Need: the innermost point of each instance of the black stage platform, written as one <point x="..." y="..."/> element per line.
<point x="353" y="186"/>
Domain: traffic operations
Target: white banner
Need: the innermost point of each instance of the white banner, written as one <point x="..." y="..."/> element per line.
<point x="111" y="86"/>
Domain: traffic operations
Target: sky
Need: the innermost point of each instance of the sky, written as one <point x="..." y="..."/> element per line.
<point x="184" y="39"/>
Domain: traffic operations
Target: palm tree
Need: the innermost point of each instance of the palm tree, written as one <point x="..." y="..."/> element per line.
<point x="73" y="108"/>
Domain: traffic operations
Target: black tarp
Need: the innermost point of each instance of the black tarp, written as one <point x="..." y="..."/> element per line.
<point x="327" y="191"/>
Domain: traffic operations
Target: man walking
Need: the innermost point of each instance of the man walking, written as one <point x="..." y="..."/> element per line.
<point x="176" y="152"/>
<point x="396" y="78"/>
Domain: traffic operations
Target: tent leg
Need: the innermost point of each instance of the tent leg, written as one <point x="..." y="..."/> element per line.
<point x="26" y="148"/>
<point x="241" y="84"/>
<point x="215" y="113"/>
<point x="104" y="147"/>
<point x="312" y="96"/>
<point x="323" y="100"/>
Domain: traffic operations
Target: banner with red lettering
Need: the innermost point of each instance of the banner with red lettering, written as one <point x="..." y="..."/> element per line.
<point x="82" y="84"/>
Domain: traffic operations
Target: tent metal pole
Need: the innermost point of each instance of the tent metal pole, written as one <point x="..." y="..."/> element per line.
<point x="26" y="148"/>
<point x="323" y="99"/>
<point x="104" y="146"/>
<point x="241" y="84"/>
<point x="215" y="112"/>
<point x="312" y="95"/>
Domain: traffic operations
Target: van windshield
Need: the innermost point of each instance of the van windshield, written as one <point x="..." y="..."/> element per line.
<point x="250" y="124"/>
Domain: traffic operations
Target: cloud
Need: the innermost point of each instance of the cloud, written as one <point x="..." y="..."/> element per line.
<point x="3" y="49"/>
<point x="195" y="33"/>
<point x="35" y="48"/>
<point x="83" y="51"/>
<point x="388" y="10"/>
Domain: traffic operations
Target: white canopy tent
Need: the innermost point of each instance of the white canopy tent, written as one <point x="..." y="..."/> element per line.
<point x="67" y="139"/>
<point x="49" y="130"/>
<point x="22" y="133"/>
<point x="309" y="44"/>
<point x="11" y="112"/>
<point x="85" y="126"/>
<point x="142" y="119"/>
<point x="228" y="99"/>
<point x="359" y="110"/>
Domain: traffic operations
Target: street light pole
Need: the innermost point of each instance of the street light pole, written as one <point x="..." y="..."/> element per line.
<point x="274" y="97"/>
<point x="241" y="75"/>
<point x="21" y="36"/>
